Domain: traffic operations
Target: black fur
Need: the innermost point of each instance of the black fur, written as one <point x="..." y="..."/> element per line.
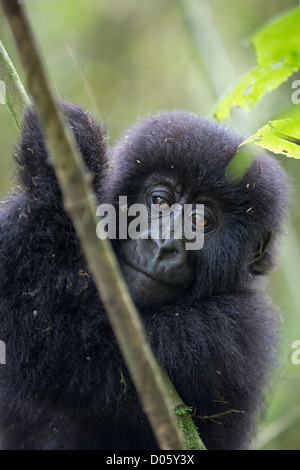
<point x="65" y="385"/>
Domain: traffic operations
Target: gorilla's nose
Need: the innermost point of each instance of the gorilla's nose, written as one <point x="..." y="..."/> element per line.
<point x="170" y="251"/>
<point x="170" y="260"/>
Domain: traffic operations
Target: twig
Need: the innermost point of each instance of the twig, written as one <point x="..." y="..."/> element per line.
<point x="15" y="95"/>
<point x="183" y="417"/>
<point x="79" y="202"/>
<point x="85" y="81"/>
<point x="274" y="429"/>
<point x="205" y="35"/>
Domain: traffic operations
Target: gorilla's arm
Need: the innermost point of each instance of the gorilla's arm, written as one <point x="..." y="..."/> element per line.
<point x="37" y="241"/>
<point x="44" y="283"/>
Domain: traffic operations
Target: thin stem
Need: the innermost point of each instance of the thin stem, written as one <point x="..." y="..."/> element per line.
<point x="205" y="35"/>
<point x="15" y="96"/>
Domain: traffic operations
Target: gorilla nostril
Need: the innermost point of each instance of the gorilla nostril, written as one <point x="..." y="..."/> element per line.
<point x="168" y="250"/>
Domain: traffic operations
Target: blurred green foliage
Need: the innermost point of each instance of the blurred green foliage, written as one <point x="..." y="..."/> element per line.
<point x="276" y="46"/>
<point x="124" y="59"/>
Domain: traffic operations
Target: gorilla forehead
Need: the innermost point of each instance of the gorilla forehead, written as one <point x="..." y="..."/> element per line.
<point x="195" y="151"/>
<point x="187" y="143"/>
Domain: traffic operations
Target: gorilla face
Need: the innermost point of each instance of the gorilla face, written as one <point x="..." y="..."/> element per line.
<point x="177" y="158"/>
<point x="157" y="268"/>
<point x="159" y="265"/>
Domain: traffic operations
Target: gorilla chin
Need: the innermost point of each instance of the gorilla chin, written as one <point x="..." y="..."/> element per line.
<point x="148" y="291"/>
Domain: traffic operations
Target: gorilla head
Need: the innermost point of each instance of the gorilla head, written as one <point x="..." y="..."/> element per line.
<point x="181" y="158"/>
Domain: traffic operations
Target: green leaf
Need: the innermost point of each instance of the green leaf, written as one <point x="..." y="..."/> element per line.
<point x="241" y="162"/>
<point x="277" y="47"/>
<point x="282" y="136"/>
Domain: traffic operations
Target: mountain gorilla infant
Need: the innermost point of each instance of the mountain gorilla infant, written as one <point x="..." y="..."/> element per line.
<point x="206" y="314"/>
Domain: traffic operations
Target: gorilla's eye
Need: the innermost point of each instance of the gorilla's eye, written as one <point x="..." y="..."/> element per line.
<point x="206" y="220"/>
<point x="199" y="220"/>
<point x="160" y="201"/>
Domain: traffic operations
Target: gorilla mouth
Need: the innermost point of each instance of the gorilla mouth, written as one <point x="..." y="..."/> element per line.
<point x="159" y="281"/>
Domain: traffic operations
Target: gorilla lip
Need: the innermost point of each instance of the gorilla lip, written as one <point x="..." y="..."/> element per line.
<point x="153" y="278"/>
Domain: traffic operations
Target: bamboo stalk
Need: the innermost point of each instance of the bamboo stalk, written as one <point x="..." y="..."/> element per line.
<point x="15" y="96"/>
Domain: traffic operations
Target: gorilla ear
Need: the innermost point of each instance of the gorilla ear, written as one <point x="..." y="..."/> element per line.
<point x="261" y="262"/>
